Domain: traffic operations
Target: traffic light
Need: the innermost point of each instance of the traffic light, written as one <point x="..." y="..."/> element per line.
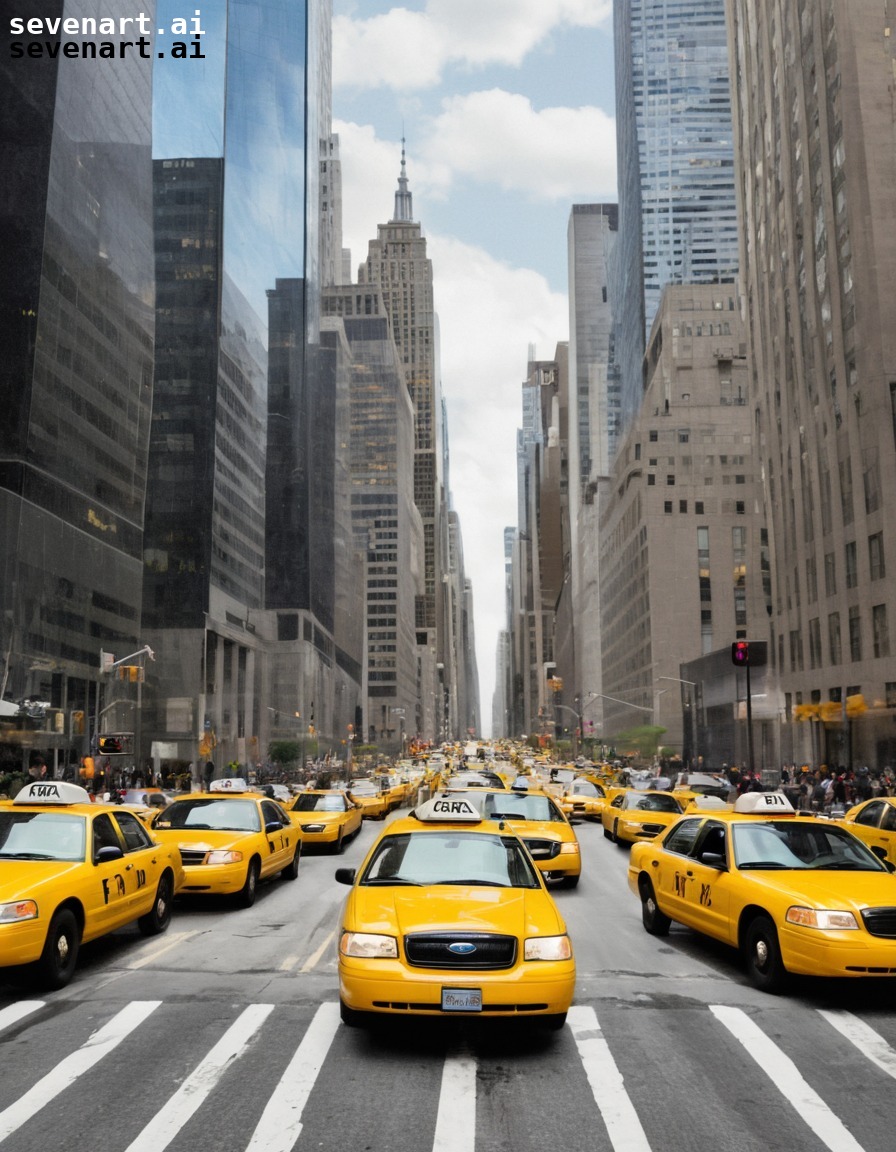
<point x="740" y="653"/>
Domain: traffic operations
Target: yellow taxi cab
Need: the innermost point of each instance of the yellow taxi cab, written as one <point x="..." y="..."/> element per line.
<point x="373" y="801"/>
<point x="794" y="894"/>
<point x="539" y="822"/>
<point x="447" y="916"/>
<point x="583" y="800"/>
<point x="229" y="839"/>
<point x="326" y="816"/>
<point x="874" y="821"/>
<point x="72" y="870"/>
<point x="631" y="815"/>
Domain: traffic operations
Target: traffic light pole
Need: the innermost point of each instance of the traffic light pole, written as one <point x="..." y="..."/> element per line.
<point x="750" y="759"/>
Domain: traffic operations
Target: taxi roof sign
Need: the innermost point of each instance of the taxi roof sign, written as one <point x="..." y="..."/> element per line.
<point x="448" y="810"/>
<point x="764" y="803"/>
<point x="57" y="792"/>
<point x="230" y="784"/>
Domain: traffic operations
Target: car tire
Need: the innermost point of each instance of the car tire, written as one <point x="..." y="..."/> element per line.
<point x="570" y="882"/>
<point x="158" y="917"/>
<point x="60" y="954"/>
<point x="246" y="895"/>
<point x="351" y="1017"/>
<point x="291" y="871"/>
<point x="608" y="835"/>
<point x="656" y="923"/>
<point x="615" y="836"/>
<point x="553" y="1023"/>
<point x="339" y="846"/>
<point x="762" y="954"/>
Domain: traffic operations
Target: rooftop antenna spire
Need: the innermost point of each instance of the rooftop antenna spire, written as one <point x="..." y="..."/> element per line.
<point x="404" y="204"/>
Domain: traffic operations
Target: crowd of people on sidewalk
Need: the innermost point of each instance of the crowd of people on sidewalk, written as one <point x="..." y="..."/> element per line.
<point x="835" y="787"/>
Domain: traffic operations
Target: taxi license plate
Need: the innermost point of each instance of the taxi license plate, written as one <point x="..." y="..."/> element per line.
<point x="461" y="999"/>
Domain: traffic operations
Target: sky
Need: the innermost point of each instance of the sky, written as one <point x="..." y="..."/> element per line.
<point x="507" y="109"/>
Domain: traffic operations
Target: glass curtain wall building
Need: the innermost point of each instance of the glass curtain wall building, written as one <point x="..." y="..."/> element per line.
<point x="76" y="328"/>
<point x="236" y="219"/>
<point x="677" y="205"/>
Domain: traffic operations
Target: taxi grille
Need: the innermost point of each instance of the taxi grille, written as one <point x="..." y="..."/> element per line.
<point x="542" y="849"/>
<point x="193" y="855"/>
<point x="880" y="922"/>
<point x="472" y="950"/>
<point x="653" y="829"/>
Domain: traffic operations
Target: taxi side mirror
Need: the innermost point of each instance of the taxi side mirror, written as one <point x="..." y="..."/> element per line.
<point x="345" y="875"/>
<point x="714" y="860"/>
<point x="272" y="827"/>
<point x="107" y="854"/>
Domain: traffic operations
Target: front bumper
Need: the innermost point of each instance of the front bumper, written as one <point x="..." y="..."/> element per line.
<point x="810" y="952"/>
<point x="23" y="942"/>
<point x="214" y="879"/>
<point x="530" y="988"/>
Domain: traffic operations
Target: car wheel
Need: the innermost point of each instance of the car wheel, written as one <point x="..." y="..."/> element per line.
<point x="339" y="846"/>
<point x="60" y="955"/>
<point x="291" y="871"/>
<point x="763" y="955"/>
<point x="569" y="882"/>
<point x="246" y="895"/>
<point x="351" y="1017"/>
<point x="158" y="917"/>
<point x="657" y="923"/>
<point x="553" y="1023"/>
<point x="615" y="836"/>
<point x="608" y="835"/>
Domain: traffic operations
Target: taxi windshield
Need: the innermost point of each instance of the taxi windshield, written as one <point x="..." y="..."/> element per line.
<point x="584" y="788"/>
<point x="793" y="844"/>
<point x="521" y="806"/>
<point x="651" y="803"/>
<point x="364" y="788"/>
<point x="211" y="815"/>
<point x="308" y="802"/>
<point x="474" y="858"/>
<point x="41" y="836"/>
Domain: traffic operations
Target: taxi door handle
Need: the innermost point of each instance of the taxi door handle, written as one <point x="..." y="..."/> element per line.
<point x="690" y="873"/>
<point x="128" y="867"/>
<point x="654" y="863"/>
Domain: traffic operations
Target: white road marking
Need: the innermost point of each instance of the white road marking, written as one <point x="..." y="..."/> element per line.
<point x="870" y="1043"/>
<point x="786" y="1077"/>
<point x="607" y="1084"/>
<point x="67" y="1071"/>
<point x="187" y="1100"/>
<point x="16" y="1012"/>
<point x="288" y="964"/>
<point x="313" y="959"/>
<point x="169" y="942"/>
<point x="456" y="1119"/>
<point x="281" y="1122"/>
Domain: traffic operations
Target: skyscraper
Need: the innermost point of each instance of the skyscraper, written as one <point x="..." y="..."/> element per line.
<point x="677" y="208"/>
<point x="76" y="327"/>
<point x="816" y="169"/>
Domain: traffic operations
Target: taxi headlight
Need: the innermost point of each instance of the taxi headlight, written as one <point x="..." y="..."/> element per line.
<point x="548" y="948"/>
<point x="223" y="856"/>
<point x="828" y="921"/>
<point x="368" y="946"/>
<point x="18" y="910"/>
<point x="569" y="848"/>
<point x="314" y="827"/>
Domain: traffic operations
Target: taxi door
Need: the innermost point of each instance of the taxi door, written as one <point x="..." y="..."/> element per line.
<point x="704" y="882"/>
<point x="110" y="888"/>
<point x="669" y="867"/>
<point x="143" y="863"/>
<point x="280" y="841"/>
<point x="874" y="825"/>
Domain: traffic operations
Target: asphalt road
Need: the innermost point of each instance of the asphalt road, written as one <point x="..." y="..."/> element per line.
<point x="223" y="1035"/>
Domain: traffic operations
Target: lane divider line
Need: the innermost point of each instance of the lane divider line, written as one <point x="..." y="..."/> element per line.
<point x="315" y="956"/>
<point x="159" y="950"/>
<point x="456" y="1119"/>
<point x="13" y="1013"/>
<point x="870" y="1043"/>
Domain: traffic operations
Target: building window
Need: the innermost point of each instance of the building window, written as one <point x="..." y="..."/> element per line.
<point x="667" y="507"/>
<point x="682" y="505"/>
<point x="698" y="507"/>
<point x="852" y="574"/>
<point x="815" y="643"/>
<point x="855" y="633"/>
<point x="876" y="563"/>
<point x="834" y="648"/>
<point x="811" y="580"/>
<point x="670" y="480"/>
<point x="830" y="574"/>
<point x="739" y="507"/>
<point x="891" y="693"/>
<point x="637" y="451"/>
<point x="796" y="651"/>
<point x="651" y="480"/>
<point x="880" y="630"/>
<point x="653" y="436"/>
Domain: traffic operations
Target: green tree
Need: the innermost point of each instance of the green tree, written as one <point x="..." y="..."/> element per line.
<point x="284" y="751"/>
<point x="643" y="739"/>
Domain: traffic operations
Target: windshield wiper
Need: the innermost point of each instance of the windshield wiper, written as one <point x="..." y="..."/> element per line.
<point x="843" y="866"/>
<point x="394" y="880"/>
<point x="772" y="865"/>
<point x="28" y="856"/>
<point x="475" y="883"/>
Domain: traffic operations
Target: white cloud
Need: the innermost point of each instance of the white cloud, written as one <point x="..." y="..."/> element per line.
<point x="410" y="50"/>
<point x="552" y="154"/>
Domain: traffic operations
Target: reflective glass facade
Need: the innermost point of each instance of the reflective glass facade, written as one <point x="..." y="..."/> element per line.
<point x="76" y="327"/>
<point x="678" y="216"/>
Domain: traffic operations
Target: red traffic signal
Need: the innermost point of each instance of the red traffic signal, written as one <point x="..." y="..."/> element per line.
<point x="740" y="653"/>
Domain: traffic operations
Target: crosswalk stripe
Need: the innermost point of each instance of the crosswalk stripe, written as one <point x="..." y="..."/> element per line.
<point x="186" y="1101"/>
<point x="16" y="1012"/>
<point x="281" y="1122"/>
<point x="607" y="1086"/>
<point x="456" y="1119"/>
<point x="869" y="1042"/>
<point x="784" y="1074"/>
<point x="67" y="1071"/>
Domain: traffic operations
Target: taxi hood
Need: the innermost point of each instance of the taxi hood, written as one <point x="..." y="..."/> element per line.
<point x="445" y="908"/>
<point x="823" y="889"/>
<point x="21" y="879"/>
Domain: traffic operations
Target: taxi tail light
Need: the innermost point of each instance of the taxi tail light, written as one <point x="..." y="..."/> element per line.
<point x="18" y="910"/>
<point x="223" y="856"/>
<point x="548" y="948"/>
<point x="823" y="918"/>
